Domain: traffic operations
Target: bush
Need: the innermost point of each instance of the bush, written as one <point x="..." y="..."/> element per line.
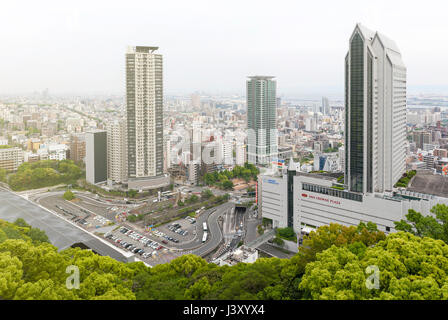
<point x="68" y="195"/>
<point x="286" y="233"/>
<point x="278" y="241"/>
<point x="267" y="221"/>
<point x="227" y="185"/>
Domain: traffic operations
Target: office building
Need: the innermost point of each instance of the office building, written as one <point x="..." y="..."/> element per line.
<point x="96" y="156"/>
<point x="374" y="152"/>
<point x="261" y="120"/>
<point x="375" y="118"/>
<point x="144" y="100"/>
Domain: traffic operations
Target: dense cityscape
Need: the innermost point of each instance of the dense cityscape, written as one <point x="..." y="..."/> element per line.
<point x="255" y="195"/>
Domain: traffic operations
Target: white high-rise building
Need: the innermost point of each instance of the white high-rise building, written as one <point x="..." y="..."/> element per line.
<point x="117" y="157"/>
<point x="144" y="99"/>
<point x="375" y="120"/>
<point x="240" y="154"/>
<point x="167" y="154"/>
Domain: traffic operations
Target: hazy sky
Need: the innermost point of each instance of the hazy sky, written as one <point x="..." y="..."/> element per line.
<point x="79" y="46"/>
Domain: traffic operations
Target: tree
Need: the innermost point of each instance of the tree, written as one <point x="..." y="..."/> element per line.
<point x="38" y="235"/>
<point x="426" y="226"/>
<point x="206" y="194"/>
<point x="409" y="268"/>
<point x="2" y="175"/>
<point x="278" y="241"/>
<point x="21" y="223"/>
<point x="132" y="193"/>
<point x="227" y="185"/>
<point x="287" y="233"/>
<point x="335" y="234"/>
<point x="10" y="275"/>
<point x="68" y="195"/>
<point x="199" y="290"/>
<point x="44" y="173"/>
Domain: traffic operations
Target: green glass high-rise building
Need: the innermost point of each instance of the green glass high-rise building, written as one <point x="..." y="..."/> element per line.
<point x="261" y="120"/>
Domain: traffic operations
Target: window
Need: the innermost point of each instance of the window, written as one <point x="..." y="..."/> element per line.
<point x="332" y="192"/>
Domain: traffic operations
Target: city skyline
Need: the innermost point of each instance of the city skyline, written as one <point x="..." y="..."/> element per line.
<point x="303" y="56"/>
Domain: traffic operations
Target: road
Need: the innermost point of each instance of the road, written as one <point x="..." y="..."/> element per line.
<point x="215" y="234"/>
<point x="51" y="199"/>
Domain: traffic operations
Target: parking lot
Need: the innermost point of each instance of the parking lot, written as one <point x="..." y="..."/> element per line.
<point x="156" y="246"/>
<point x="182" y="230"/>
<point x="81" y="216"/>
<point x="150" y="251"/>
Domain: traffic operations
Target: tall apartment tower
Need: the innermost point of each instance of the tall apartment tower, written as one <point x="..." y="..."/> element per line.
<point x="261" y="120"/>
<point x="144" y="99"/>
<point x="117" y="156"/>
<point x="375" y="117"/>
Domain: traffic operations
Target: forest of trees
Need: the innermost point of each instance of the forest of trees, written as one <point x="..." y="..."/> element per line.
<point x="44" y="173"/>
<point x="332" y="264"/>
<point x="222" y="179"/>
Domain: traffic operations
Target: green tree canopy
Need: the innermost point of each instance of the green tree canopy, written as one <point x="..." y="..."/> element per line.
<point x="409" y="268"/>
<point x="434" y="226"/>
<point x="68" y="195"/>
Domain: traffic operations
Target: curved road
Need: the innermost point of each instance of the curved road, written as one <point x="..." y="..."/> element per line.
<point x="194" y="246"/>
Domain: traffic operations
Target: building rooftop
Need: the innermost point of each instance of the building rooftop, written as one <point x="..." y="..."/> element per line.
<point x="144" y="49"/>
<point x="325" y="176"/>
<point x="428" y="183"/>
<point x="261" y="77"/>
